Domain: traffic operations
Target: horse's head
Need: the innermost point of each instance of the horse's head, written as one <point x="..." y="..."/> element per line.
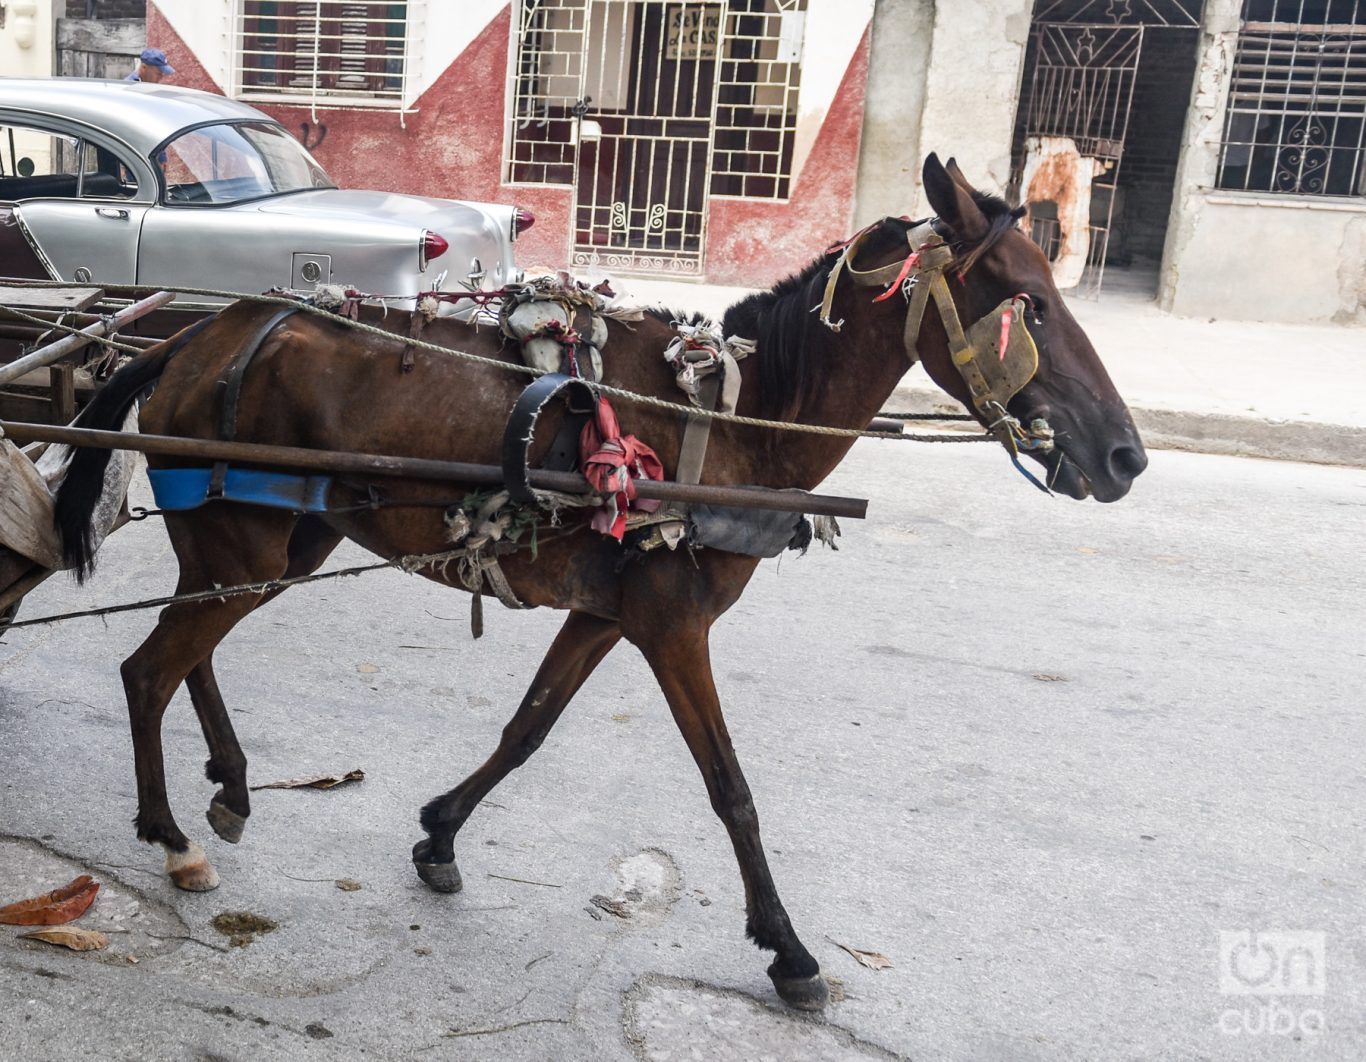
<point x="987" y="262"/>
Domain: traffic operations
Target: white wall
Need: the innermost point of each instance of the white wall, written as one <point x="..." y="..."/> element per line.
<point x="1249" y="256"/>
<point x="834" y="30"/>
<point x="27" y="19"/>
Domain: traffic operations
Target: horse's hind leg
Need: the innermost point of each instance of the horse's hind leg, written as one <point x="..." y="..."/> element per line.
<point x="579" y="647"/>
<point x="679" y="658"/>
<point x="227" y="764"/>
<point x="310" y="544"/>
<point x="214" y="552"/>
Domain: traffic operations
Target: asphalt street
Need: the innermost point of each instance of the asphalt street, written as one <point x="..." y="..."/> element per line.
<point x="1039" y="754"/>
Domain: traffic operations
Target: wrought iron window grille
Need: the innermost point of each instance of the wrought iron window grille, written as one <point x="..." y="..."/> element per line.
<point x="326" y="53"/>
<point x="1296" y="116"/>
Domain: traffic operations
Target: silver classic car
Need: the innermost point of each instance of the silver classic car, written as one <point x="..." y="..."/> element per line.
<point x="121" y="182"/>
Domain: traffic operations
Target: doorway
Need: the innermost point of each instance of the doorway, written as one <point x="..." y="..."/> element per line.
<point x="648" y="108"/>
<point x="1098" y="134"/>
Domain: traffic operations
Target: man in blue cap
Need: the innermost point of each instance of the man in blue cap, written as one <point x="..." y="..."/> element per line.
<point x="152" y="67"/>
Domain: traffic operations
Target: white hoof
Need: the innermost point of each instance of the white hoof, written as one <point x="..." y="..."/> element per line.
<point x="191" y="870"/>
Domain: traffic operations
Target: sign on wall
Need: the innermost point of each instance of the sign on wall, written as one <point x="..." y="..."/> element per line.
<point x="694" y="30"/>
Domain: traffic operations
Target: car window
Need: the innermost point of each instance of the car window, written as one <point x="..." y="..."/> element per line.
<point x="35" y="163"/>
<point x="231" y="163"/>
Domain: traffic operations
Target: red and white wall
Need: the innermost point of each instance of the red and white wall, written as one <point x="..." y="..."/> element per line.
<point x="451" y="143"/>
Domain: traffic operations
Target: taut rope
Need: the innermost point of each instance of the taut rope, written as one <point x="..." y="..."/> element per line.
<point x="613" y="392"/>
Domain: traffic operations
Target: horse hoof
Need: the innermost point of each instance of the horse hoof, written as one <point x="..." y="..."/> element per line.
<point x="443" y="877"/>
<point x="227" y="824"/>
<point x="804" y="993"/>
<point x="191" y="870"/>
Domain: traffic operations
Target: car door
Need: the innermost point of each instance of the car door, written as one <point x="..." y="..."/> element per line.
<point x="79" y="200"/>
<point x="207" y="230"/>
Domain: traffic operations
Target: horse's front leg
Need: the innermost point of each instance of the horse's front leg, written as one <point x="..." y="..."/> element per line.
<point x="677" y="653"/>
<point x="579" y="647"/>
<point x="184" y="636"/>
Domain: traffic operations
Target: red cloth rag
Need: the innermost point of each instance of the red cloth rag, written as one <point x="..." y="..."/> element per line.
<point x="611" y="464"/>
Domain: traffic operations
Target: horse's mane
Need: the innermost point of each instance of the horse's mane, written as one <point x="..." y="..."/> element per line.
<point x="782" y="320"/>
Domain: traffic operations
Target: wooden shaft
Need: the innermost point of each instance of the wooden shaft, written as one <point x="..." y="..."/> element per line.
<point x="294" y="457"/>
<point x="54" y="352"/>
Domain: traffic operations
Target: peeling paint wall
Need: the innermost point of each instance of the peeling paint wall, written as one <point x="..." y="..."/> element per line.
<point x="1313" y="267"/>
<point x="977" y="58"/>
<point x="944" y="77"/>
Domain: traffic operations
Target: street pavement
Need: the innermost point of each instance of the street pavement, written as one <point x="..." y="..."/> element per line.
<point x="1040" y="754"/>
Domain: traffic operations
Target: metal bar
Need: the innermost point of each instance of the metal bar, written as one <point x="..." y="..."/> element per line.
<point x="295" y="457"/>
<point x="60" y="349"/>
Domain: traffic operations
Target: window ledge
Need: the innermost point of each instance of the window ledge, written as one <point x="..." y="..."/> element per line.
<point x="1348" y="204"/>
<point x="323" y="101"/>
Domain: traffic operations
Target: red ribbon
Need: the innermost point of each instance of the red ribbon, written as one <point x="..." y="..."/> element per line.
<point x="911" y="260"/>
<point x="611" y="464"/>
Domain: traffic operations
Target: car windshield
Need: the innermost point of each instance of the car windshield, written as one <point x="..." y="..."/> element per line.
<point x="230" y="163"/>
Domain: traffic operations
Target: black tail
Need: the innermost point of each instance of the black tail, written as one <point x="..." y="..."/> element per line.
<point x="80" y="490"/>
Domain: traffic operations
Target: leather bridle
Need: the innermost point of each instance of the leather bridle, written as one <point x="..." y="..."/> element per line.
<point x="996" y="356"/>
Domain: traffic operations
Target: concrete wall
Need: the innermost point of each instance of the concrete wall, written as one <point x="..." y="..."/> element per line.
<point x="889" y="165"/>
<point x="944" y="77"/>
<point x="1253" y="256"/>
<point x="30" y="21"/>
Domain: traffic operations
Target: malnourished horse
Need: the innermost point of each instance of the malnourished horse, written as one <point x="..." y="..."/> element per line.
<point x="317" y="383"/>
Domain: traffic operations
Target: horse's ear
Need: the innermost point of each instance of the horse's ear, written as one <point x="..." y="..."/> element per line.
<point x="957" y="174"/>
<point x="953" y="202"/>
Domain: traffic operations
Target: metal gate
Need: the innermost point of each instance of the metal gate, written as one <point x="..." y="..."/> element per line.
<point x="1084" y="56"/>
<point x="618" y="98"/>
<point x="645" y="133"/>
<point x="1082" y="89"/>
<point x="649" y="107"/>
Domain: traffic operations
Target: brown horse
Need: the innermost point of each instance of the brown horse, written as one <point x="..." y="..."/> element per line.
<point x="317" y="383"/>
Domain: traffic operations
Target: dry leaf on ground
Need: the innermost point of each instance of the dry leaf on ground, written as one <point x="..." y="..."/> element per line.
<point x="54" y="908"/>
<point x="612" y="907"/>
<point x="871" y="959"/>
<point x="69" y="937"/>
<point x="316" y="781"/>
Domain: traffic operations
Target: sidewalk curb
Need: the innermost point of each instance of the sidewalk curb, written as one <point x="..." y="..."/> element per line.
<point x="1207" y="433"/>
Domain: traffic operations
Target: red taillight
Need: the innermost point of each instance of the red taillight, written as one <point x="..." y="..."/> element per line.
<point x="521" y="221"/>
<point x="433" y="245"/>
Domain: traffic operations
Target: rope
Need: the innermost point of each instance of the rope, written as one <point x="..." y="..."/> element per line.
<point x="614" y="392"/>
<point x="927" y="416"/>
<point x="409" y="564"/>
<point x="58" y="326"/>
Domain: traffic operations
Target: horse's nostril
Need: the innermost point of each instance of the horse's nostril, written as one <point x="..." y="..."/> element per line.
<point x="1128" y="461"/>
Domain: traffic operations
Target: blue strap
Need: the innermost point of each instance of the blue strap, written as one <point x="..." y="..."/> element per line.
<point x="1015" y="460"/>
<point x="188" y="488"/>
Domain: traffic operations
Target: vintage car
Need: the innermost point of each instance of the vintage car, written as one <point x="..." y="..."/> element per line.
<point x="121" y="182"/>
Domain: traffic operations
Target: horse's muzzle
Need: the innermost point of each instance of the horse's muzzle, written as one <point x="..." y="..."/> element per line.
<point x="1096" y="461"/>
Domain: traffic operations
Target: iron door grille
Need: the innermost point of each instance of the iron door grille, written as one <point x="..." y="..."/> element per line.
<point x="645" y="134"/>
<point x="1083" y="89"/>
